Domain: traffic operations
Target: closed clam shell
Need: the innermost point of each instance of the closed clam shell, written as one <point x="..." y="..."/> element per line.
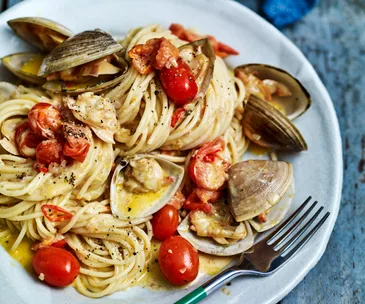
<point x="257" y="185"/>
<point x="268" y="127"/>
<point x="40" y="32"/>
<point x="292" y="106"/>
<point x="79" y="49"/>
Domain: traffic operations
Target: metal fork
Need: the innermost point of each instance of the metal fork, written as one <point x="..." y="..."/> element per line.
<point x="268" y="255"/>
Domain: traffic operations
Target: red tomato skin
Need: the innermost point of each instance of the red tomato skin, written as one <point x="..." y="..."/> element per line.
<point x="59" y="267"/>
<point x="178" y="260"/>
<point x="165" y="222"/>
<point x="45" y="120"/>
<point x="179" y="83"/>
<point x="49" y="151"/>
<point x="26" y="140"/>
<point x="78" y="153"/>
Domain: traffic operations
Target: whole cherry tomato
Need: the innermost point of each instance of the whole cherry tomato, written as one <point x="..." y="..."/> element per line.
<point x="179" y="83"/>
<point x="56" y="266"/>
<point x="178" y="260"/>
<point x="45" y="120"/>
<point x="164" y="222"/>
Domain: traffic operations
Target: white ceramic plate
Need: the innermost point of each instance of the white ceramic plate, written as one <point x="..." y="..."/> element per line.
<point x="318" y="172"/>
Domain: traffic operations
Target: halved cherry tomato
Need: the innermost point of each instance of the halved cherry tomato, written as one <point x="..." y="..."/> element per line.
<point x="26" y="140"/>
<point x="49" y="151"/>
<point x="56" y="266"/>
<point x="77" y="144"/>
<point x="179" y="83"/>
<point x="45" y="120"/>
<point x="178" y="260"/>
<point x="207" y="169"/>
<point x="55" y="213"/>
<point x="164" y="222"/>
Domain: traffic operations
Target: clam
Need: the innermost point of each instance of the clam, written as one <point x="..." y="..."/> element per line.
<point x="87" y="62"/>
<point x="277" y="86"/>
<point x="41" y="32"/>
<point x="268" y="127"/>
<point x="142" y="185"/>
<point x="200" y="57"/>
<point x="25" y="66"/>
<point x="213" y="246"/>
<point x="276" y="213"/>
<point x="8" y="132"/>
<point x="255" y="186"/>
<point x="6" y="90"/>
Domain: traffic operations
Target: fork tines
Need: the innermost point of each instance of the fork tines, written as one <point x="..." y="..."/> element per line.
<point x="285" y="241"/>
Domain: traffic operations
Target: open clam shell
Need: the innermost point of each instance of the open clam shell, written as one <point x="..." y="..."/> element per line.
<point x="268" y="127"/>
<point x="257" y="185"/>
<point x="25" y="66"/>
<point x="126" y="204"/>
<point x="292" y="106"/>
<point x="277" y="213"/>
<point x="41" y="32"/>
<point x="200" y="57"/>
<point x="208" y="245"/>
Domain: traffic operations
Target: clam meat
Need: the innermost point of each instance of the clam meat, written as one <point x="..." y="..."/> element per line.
<point x="142" y="185"/>
<point x="275" y="86"/>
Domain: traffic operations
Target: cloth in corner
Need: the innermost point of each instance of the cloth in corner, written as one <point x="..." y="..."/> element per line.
<point x="284" y="12"/>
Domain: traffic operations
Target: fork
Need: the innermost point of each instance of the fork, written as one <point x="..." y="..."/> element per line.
<point x="268" y="255"/>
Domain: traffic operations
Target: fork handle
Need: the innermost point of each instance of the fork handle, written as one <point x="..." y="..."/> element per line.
<point x="207" y="288"/>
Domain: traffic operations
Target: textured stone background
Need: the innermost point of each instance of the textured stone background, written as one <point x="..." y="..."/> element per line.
<point x="332" y="37"/>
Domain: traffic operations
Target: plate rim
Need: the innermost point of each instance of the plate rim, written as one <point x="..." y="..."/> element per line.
<point x="331" y="115"/>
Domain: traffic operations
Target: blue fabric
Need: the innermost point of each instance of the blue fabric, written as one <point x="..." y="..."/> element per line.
<point x="284" y="12"/>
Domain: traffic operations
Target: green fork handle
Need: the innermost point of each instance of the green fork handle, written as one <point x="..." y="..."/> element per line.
<point x="207" y="288"/>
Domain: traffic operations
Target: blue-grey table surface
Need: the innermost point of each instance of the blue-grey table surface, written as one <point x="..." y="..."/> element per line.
<point x="332" y="37"/>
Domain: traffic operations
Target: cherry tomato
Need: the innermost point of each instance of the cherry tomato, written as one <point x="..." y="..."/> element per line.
<point x="178" y="260"/>
<point x="55" y="213"/>
<point x="77" y="145"/>
<point x="49" y="151"/>
<point x="207" y="169"/>
<point x="164" y="222"/>
<point x="58" y="266"/>
<point x="45" y="120"/>
<point x="26" y="140"/>
<point x="179" y="83"/>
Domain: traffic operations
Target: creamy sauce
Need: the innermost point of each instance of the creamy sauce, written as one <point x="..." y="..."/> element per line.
<point x="23" y="254"/>
<point x="133" y="204"/>
<point x="154" y="279"/>
<point x="32" y="65"/>
<point x="258" y="150"/>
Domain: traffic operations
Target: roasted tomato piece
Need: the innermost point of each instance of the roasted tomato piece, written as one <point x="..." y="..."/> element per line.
<point x="45" y="120"/>
<point x="49" y="151"/>
<point x="156" y="53"/>
<point x="26" y="140"/>
<point x="77" y="144"/>
<point x="207" y="168"/>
